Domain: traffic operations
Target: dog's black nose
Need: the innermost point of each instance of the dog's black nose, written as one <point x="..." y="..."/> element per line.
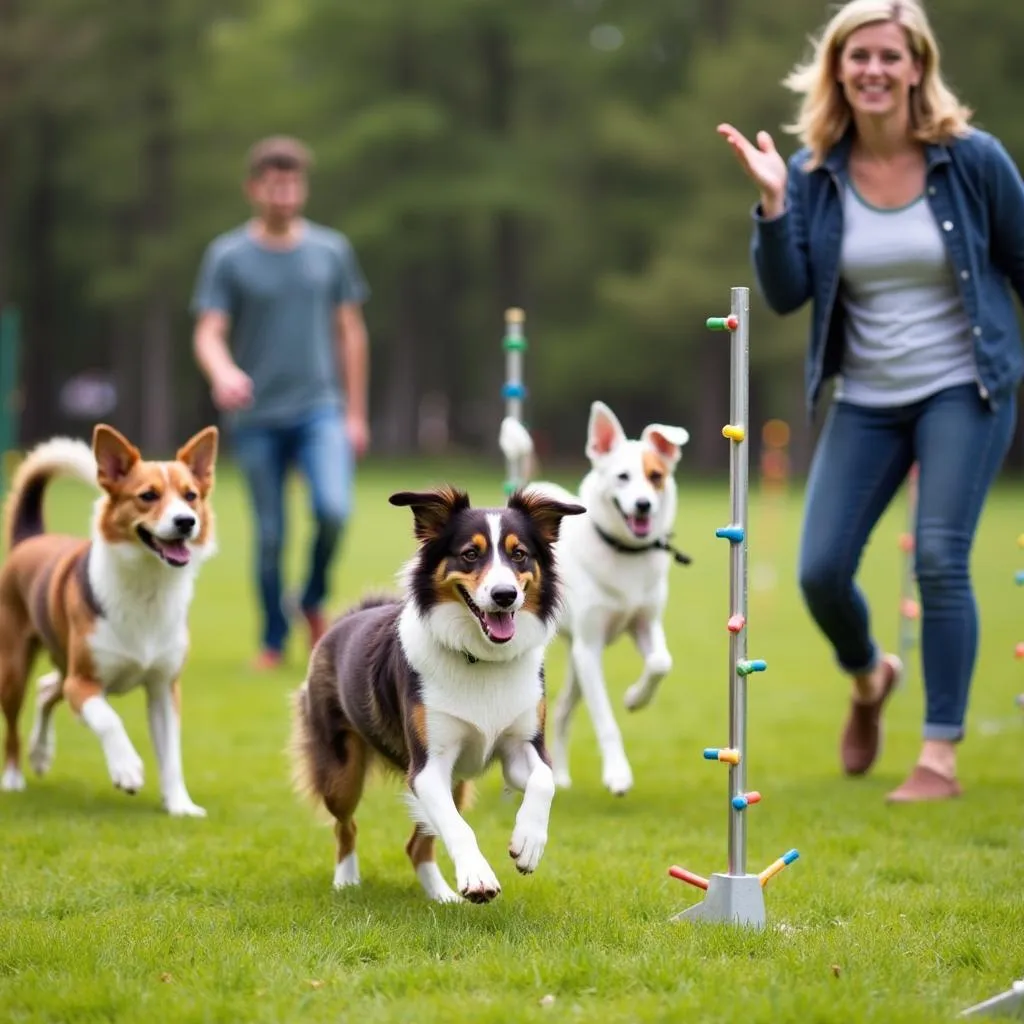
<point x="504" y="596"/>
<point x="643" y="506"/>
<point x="184" y="523"/>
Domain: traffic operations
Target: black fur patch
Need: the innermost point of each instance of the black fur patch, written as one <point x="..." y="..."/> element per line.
<point x="366" y="684"/>
<point x="28" y="516"/>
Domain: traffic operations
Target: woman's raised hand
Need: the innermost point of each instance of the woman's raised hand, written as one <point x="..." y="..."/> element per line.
<point x="763" y="165"/>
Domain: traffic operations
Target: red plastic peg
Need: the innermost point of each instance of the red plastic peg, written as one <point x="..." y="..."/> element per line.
<point x="688" y="876"/>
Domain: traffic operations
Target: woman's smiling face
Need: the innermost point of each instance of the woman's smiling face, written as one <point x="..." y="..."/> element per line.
<point x="877" y="70"/>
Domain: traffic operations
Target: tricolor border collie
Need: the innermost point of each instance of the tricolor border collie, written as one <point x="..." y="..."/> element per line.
<point x="440" y="682"/>
<point x="111" y="611"/>
<point x="615" y="564"/>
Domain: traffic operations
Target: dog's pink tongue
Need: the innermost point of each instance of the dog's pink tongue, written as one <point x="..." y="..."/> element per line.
<point x="500" y="625"/>
<point x="641" y="527"/>
<point x="175" y="552"/>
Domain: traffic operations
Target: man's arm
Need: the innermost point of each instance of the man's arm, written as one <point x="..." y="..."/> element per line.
<point x="210" y="344"/>
<point x="230" y="386"/>
<point x="354" y="359"/>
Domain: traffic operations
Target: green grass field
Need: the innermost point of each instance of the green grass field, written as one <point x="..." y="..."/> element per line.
<point x="111" y="911"/>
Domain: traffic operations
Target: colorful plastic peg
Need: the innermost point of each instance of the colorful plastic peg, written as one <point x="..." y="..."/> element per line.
<point x="513" y="390"/>
<point x="776" y="866"/>
<point x="733" y="432"/>
<point x="744" y="800"/>
<point x="688" y="876"/>
<point x="734" y="534"/>
<point x="735" y="623"/>
<point x="1020" y="578"/>
<point x="906" y="543"/>
<point x="744" y="668"/>
<point x="1018" y="651"/>
<point x="726" y="754"/>
<point x="723" y="323"/>
<point x="909" y="608"/>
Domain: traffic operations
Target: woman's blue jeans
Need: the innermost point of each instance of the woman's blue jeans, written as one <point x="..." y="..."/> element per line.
<point x="862" y="457"/>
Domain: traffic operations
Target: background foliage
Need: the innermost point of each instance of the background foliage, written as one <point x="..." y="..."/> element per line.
<point x="554" y="154"/>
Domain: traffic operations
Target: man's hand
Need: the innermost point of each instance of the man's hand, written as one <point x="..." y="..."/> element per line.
<point x="358" y="430"/>
<point x="231" y="389"/>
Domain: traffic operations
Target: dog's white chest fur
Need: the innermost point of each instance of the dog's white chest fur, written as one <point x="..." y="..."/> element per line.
<point x="472" y="707"/>
<point x="142" y="636"/>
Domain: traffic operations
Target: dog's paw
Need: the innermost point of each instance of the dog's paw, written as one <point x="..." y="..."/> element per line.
<point x="637" y="696"/>
<point x="475" y="879"/>
<point x="346" y="872"/>
<point x="526" y="847"/>
<point x="41" y="752"/>
<point x="183" y="807"/>
<point x="434" y="885"/>
<point x="12" y="781"/>
<point x="125" y="767"/>
<point x="618" y="778"/>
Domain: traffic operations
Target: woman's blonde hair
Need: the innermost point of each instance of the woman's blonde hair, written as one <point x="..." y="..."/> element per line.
<point x="936" y="114"/>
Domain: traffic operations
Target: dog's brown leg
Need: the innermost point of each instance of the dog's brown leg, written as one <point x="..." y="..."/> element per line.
<point x="18" y="649"/>
<point x="342" y="791"/>
<point x="421" y="851"/>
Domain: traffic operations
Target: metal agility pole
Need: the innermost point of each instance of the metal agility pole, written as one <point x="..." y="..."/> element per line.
<point x="514" y="390"/>
<point x="736" y="896"/>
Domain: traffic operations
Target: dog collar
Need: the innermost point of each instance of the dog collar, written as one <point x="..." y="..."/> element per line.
<point x="661" y="544"/>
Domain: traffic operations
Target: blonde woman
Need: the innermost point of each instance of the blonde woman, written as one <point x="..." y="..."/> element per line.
<point x="904" y="227"/>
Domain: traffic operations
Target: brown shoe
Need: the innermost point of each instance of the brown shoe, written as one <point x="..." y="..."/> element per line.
<point x="267" y="661"/>
<point x="924" y="784"/>
<point x="861" y="738"/>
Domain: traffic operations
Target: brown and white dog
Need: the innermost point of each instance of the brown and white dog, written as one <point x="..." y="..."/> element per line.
<point x="440" y="682"/>
<point x="111" y="611"/>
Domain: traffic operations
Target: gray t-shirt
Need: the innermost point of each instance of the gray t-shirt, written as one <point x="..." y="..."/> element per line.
<point x="282" y="305"/>
<point x="907" y="335"/>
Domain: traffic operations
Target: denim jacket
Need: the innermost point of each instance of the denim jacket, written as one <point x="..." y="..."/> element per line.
<point x="976" y="194"/>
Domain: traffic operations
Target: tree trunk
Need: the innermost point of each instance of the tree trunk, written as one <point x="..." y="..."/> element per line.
<point x="402" y="383"/>
<point x="499" y="91"/>
<point x="41" y="324"/>
<point x="8" y="87"/>
<point x="158" y="390"/>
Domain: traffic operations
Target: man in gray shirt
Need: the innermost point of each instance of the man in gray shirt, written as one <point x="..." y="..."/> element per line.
<point x="280" y="337"/>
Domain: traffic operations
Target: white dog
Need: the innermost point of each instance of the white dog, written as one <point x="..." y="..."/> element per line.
<point x="614" y="562"/>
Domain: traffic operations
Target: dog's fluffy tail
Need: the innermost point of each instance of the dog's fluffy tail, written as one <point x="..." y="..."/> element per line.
<point x="300" y="751"/>
<point x="23" y="507"/>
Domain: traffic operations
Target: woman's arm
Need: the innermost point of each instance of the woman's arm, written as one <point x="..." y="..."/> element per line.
<point x="779" y="248"/>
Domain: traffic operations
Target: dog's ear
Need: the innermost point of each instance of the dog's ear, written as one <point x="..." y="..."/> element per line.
<point x="546" y="513"/>
<point x="666" y="441"/>
<point x="431" y="510"/>
<point x="604" y="431"/>
<point x="199" y="453"/>
<point x="115" y="456"/>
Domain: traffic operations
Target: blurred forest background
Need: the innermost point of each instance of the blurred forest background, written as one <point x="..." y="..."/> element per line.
<point x="558" y="155"/>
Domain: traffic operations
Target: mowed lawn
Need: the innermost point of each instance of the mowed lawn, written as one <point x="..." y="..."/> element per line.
<point x="110" y="911"/>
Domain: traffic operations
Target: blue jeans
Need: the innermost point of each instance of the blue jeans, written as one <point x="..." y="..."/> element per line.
<point x="862" y="457"/>
<point x="318" y="445"/>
